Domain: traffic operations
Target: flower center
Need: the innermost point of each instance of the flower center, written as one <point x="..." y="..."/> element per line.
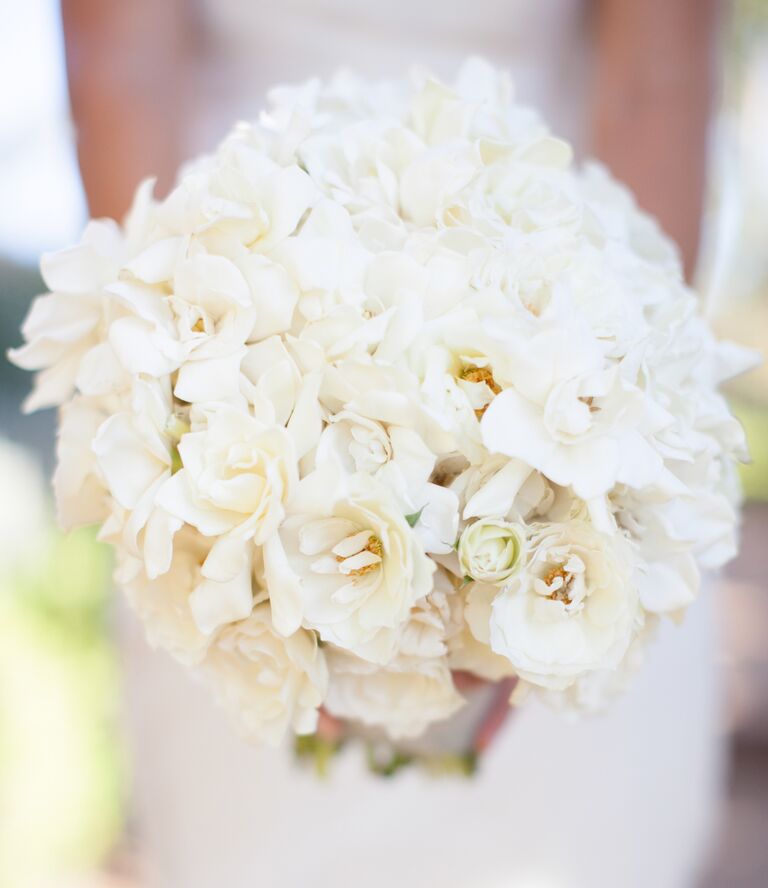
<point x="481" y="374"/>
<point x="559" y="581"/>
<point x="359" y="554"/>
<point x="590" y="402"/>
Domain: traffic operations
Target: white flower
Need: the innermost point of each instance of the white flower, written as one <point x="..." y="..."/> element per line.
<point x="404" y="697"/>
<point x="431" y="509"/>
<point x="356" y="443"/>
<point x="237" y="473"/>
<point x="415" y="688"/>
<point x="267" y="682"/>
<point x="470" y="649"/>
<point x="573" y="608"/>
<point x="492" y="487"/>
<point x="64" y="325"/>
<point x="594" y="691"/>
<point x="491" y="550"/>
<point x="346" y="563"/>
<point x="239" y="196"/>
<point x="80" y="491"/>
<point x="163" y="603"/>
<point x="575" y="419"/>
<point x="133" y="450"/>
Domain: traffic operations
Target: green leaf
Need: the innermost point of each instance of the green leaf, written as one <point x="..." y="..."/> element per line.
<point x="413" y="519"/>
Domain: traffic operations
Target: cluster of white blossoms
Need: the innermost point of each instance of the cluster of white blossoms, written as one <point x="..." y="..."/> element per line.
<point x="386" y="389"/>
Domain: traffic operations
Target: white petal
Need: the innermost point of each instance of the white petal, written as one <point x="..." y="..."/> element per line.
<point x="284" y="587"/>
<point x="214" y="379"/>
<point x="226" y="594"/>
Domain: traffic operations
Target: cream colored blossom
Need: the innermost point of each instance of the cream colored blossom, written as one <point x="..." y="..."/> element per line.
<point x="268" y="683"/>
<point x="404" y="697"/>
<point x="346" y="563"/>
<point x="491" y="550"/>
<point x="163" y="603"/>
<point x="571" y="610"/>
<point x="236" y="475"/>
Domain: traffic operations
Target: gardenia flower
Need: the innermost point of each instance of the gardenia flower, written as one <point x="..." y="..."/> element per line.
<point x="577" y="422"/>
<point x="268" y="682"/>
<point x="63" y="326"/>
<point x="346" y="563"/>
<point x="571" y="610"/>
<point x="133" y="454"/>
<point x="491" y="550"/>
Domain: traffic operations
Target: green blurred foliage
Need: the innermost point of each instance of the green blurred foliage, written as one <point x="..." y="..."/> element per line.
<point x="754" y="475"/>
<point x="60" y="765"/>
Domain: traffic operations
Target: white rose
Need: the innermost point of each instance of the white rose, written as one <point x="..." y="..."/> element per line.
<point x="163" y="604"/>
<point x="268" y="683"/>
<point x="354" y="442"/>
<point x="346" y="563"/>
<point x="571" y="610"/>
<point x="434" y="620"/>
<point x="237" y="473"/>
<point x="594" y="691"/>
<point x="491" y="550"/>
<point x="404" y="697"/>
<point x="469" y="649"/>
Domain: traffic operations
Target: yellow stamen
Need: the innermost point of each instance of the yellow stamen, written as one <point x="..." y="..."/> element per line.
<point x="590" y="402"/>
<point x="481" y="374"/>
<point x="375" y="548"/>
<point x="561" y="593"/>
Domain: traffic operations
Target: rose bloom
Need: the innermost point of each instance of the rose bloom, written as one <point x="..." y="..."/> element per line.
<point x="237" y="471"/>
<point x="164" y="603"/>
<point x="404" y="698"/>
<point x="470" y="648"/>
<point x="572" y="609"/>
<point x="268" y="683"/>
<point x="490" y="550"/>
<point x="357" y="443"/>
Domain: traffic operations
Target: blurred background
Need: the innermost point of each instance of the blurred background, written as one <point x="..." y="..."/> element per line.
<point x="65" y="812"/>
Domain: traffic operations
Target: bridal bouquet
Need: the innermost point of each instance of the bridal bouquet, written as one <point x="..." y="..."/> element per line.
<point x="384" y="392"/>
